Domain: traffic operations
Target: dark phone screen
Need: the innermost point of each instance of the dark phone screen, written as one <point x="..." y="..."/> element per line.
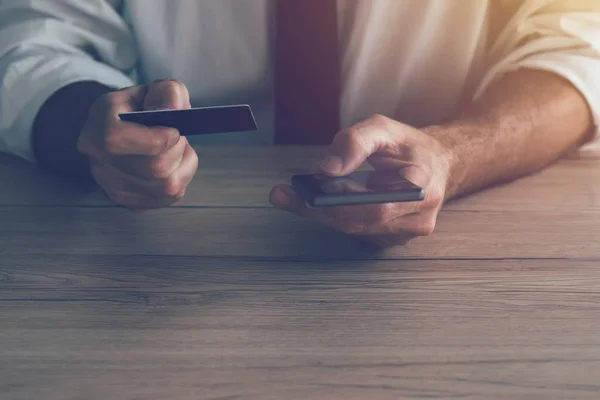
<point x="364" y="181"/>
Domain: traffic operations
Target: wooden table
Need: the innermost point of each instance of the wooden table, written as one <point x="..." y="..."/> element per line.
<point x="223" y="297"/>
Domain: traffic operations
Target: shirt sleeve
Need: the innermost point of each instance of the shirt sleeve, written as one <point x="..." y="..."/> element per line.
<point x="48" y="44"/>
<point x="560" y="36"/>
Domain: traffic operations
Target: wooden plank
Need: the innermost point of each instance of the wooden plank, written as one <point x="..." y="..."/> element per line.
<point x="223" y="173"/>
<point x="273" y="234"/>
<point x="98" y="327"/>
<point x="243" y="177"/>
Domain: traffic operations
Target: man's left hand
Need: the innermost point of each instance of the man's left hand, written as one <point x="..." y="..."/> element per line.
<point x="386" y="145"/>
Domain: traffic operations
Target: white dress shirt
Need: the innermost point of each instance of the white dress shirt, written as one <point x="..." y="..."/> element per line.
<point x="412" y="60"/>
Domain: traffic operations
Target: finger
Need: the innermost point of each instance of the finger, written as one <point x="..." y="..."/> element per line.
<point x="153" y="168"/>
<point x="173" y="186"/>
<point x="373" y="221"/>
<point x="408" y="224"/>
<point x="177" y="183"/>
<point x="131" y="192"/>
<point x="416" y="175"/>
<point x="125" y="138"/>
<point x="352" y="147"/>
<point x="388" y="163"/>
<point x="167" y="94"/>
<point x="370" y="218"/>
<point x="343" y="186"/>
<point x="128" y="99"/>
<point x="105" y="134"/>
<point x="118" y="185"/>
<point x="396" y="180"/>
<point x="285" y="198"/>
<point x="348" y="219"/>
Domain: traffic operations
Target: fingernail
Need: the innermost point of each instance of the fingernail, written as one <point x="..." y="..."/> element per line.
<point x="332" y="164"/>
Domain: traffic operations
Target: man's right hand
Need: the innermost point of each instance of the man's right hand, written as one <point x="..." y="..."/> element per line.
<point x="139" y="167"/>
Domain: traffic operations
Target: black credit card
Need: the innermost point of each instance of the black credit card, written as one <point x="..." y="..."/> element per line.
<point x="198" y="121"/>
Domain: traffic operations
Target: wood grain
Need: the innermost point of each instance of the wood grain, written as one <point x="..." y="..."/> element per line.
<point x="273" y="234"/>
<point x="222" y="297"/>
<point x="243" y="177"/>
<point x="223" y="174"/>
<point x="97" y="327"/>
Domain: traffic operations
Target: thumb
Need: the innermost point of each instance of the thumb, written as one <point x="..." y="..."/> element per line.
<point x="167" y="95"/>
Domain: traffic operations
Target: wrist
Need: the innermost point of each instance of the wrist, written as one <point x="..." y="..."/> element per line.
<point x="458" y="141"/>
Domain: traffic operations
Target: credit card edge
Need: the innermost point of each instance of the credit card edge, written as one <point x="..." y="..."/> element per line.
<point x="188" y="109"/>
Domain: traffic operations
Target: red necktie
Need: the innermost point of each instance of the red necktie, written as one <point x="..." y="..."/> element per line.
<point x="307" y="72"/>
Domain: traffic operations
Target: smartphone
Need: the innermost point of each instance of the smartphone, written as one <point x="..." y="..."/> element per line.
<point x="198" y="121"/>
<point x="357" y="188"/>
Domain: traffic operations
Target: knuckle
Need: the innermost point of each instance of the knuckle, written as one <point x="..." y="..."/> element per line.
<point x="385" y="123"/>
<point x="179" y="195"/>
<point x="105" y="102"/>
<point x="193" y="160"/>
<point x="194" y="157"/>
<point x="436" y="197"/>
<point x="158" y="144"/>
<point x="172" y="85"/>
<point x="172" y="187"/>
<point x="379" y="119"/>
<point x="357" y="137"/>
<point x="426" y="228"/>
<point x="351" y="135"/>
<point x="83" y="145"/>
<point x="112" y="141"/>
<point x="160" y="168"/>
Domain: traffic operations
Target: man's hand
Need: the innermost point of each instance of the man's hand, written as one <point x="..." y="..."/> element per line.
<point x="390" y="146"/>
<point x="139" y="167"/>
<point x="525" y="121"/>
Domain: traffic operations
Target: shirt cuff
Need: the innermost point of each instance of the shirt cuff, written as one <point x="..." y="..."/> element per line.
<point x="28" y="91"/>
